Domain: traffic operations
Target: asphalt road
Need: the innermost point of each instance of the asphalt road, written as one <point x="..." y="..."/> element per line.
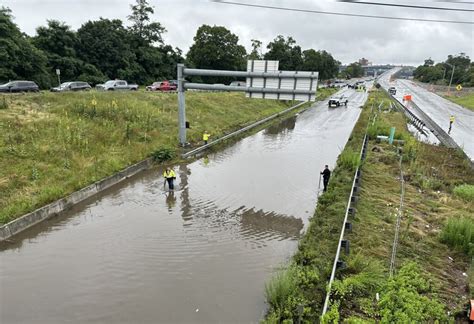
<point x="438" y="109"/>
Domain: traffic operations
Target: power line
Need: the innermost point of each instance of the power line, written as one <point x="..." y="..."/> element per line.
<point x="339" y="13"/>
<point x="405" y="6"/>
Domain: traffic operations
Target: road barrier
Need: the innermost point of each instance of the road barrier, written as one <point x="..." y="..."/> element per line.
<point x="350" y="210"/>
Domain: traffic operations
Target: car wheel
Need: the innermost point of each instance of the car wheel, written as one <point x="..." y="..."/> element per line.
<point x="111" y="89"/>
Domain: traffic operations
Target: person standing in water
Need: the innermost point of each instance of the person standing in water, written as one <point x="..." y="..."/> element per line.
<point x="169" y="176"/>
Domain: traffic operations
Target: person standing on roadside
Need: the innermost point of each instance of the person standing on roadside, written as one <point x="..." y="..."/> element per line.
<point x="451" y="121"/>
<point x="169" y="176"/>
<point x="326" y="175"/>
<point x="205" y="137"/>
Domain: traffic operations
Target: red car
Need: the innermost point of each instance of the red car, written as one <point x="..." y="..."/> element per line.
<point x="162" y="86"/>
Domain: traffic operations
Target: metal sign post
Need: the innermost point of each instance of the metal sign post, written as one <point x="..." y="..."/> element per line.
<point x="58" y="73"/>
<point x="266" y="83"/>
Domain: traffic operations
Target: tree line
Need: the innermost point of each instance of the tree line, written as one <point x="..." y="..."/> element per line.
<point x="107" y="49"/>
<point x="458" y="66"/>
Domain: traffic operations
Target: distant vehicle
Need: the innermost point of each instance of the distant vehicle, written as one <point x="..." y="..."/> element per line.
<point x="72" y="86"/>
<point x="238" y="84"/>
<point x="19" y="86"/>
<point x="337" y="101"/>
<point x="392" y="91"/>
<point x="163" y="86"/>
<point x="116" y="85"/>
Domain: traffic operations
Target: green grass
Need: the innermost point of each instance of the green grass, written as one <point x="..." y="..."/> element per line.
<point x="458" y="233"/>
<point x="52" y="144"/>
<point x="465" y="192"/>
<point x="465" y="100"/>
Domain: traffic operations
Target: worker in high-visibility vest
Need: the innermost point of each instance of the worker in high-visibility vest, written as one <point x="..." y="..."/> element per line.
<point x="169" y="176"/>
<point x="205" y="137"/>
<point x="451" y="121"/>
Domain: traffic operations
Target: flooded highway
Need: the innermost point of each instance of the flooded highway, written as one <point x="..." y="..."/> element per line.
<point x="138" y="254"/>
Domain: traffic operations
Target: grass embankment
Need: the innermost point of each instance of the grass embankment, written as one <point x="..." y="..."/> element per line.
<point x="53" y="144"/>
<point x="433" y="255"/>
<point x="466" y="100"/>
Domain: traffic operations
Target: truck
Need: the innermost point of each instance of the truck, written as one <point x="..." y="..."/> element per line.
<point x="116" y="85"/>
<point x="392" y="91"/>
<point x="337" y="101"/>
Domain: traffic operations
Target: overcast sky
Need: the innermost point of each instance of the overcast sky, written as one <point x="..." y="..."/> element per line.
<point x="347" y="38"/>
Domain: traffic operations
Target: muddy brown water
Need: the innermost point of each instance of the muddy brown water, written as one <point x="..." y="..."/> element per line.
<point x="138" y="254"/>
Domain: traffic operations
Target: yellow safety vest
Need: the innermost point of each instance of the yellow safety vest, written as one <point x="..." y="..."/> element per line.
<point x="205" y="136"/>
<point x="170" y="174"/>
<point x="451" y="119"/>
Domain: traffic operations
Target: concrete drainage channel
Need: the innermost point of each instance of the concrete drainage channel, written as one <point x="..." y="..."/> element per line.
<point x="43" y="213"/>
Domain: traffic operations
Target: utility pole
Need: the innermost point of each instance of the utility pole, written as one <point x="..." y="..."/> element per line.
<point x="451" y="80"/>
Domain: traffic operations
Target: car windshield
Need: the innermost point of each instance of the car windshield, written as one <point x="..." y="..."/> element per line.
<point x="111" y="82"/>
<point x="8" y="84"/>
<point x="65" y="84"/>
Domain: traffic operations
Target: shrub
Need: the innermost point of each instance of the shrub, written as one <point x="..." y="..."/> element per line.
<point x="403" y="299"/>
<point x="163" y="154"/>
<point x="465" y="192"/>
<point x="458" y="233"/>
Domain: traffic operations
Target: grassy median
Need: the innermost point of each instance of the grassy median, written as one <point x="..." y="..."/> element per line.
<point x="55" y="143"/>
<point x="464" y="99"/>
<point x="433" y="268"/>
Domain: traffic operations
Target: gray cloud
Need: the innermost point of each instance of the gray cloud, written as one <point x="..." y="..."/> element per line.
<point x="347" y="38"/>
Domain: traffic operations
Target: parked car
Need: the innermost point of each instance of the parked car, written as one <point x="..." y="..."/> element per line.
<point x="19" y="86"/>
<point x="337" y="101"/>
<point x="72" y="86"/>
<point x="116" y="85"/>
<point x="163" y="86"/>
<point x="392" y="91"/>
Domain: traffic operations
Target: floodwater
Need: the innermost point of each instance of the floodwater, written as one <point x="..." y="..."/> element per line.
<point x="138" y="254"/>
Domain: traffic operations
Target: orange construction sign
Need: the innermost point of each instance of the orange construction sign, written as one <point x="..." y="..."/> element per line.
<point x="407" y="97"/>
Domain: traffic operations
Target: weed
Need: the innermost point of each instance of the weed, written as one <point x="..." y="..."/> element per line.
<point x="465" y="192"/>
<point x="349" y="160"/>
<point x="163" y="154"/>
<point x="459" y="233"/>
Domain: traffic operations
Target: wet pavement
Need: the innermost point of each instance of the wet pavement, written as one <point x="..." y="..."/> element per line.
<point x="439" y="110"/>
<point x="139" y="254"/>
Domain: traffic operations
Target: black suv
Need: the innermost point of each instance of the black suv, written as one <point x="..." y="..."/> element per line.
<point x="72" y="86"/>
<point x="19" y="86"/>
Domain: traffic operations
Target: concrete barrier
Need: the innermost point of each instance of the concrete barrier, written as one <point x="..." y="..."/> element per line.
<point x="48" y="211"/>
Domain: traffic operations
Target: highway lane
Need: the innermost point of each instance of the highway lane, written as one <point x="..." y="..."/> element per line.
<point x="438" y="109"/>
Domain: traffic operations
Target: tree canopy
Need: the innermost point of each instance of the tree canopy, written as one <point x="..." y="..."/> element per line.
<point x="441" y="72"/>
<point x="108" y="48"/>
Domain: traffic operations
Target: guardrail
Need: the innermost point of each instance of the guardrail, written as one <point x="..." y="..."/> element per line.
<point x="346" y="225"/>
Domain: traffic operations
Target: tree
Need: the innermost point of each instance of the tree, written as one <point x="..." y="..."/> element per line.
<point x="429" y="62"/>
<point x="149" y="32"/>
<point x="19" y="58"/>
<point x="354" y="70"/>
<point x="286" y="52"/>
<point x="216" y="48"/>
<point x="106" y="44"/>
<point x="256" y="53"/>
<point x="322" y="62"/>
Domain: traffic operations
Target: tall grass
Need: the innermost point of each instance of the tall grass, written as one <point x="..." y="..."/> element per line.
<point x="459" y="234"/>
<point x="280" y="288"/>
<point x="3" y="103"/>
<point x="465" y="192"/>
<point x="349" y="160"/>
